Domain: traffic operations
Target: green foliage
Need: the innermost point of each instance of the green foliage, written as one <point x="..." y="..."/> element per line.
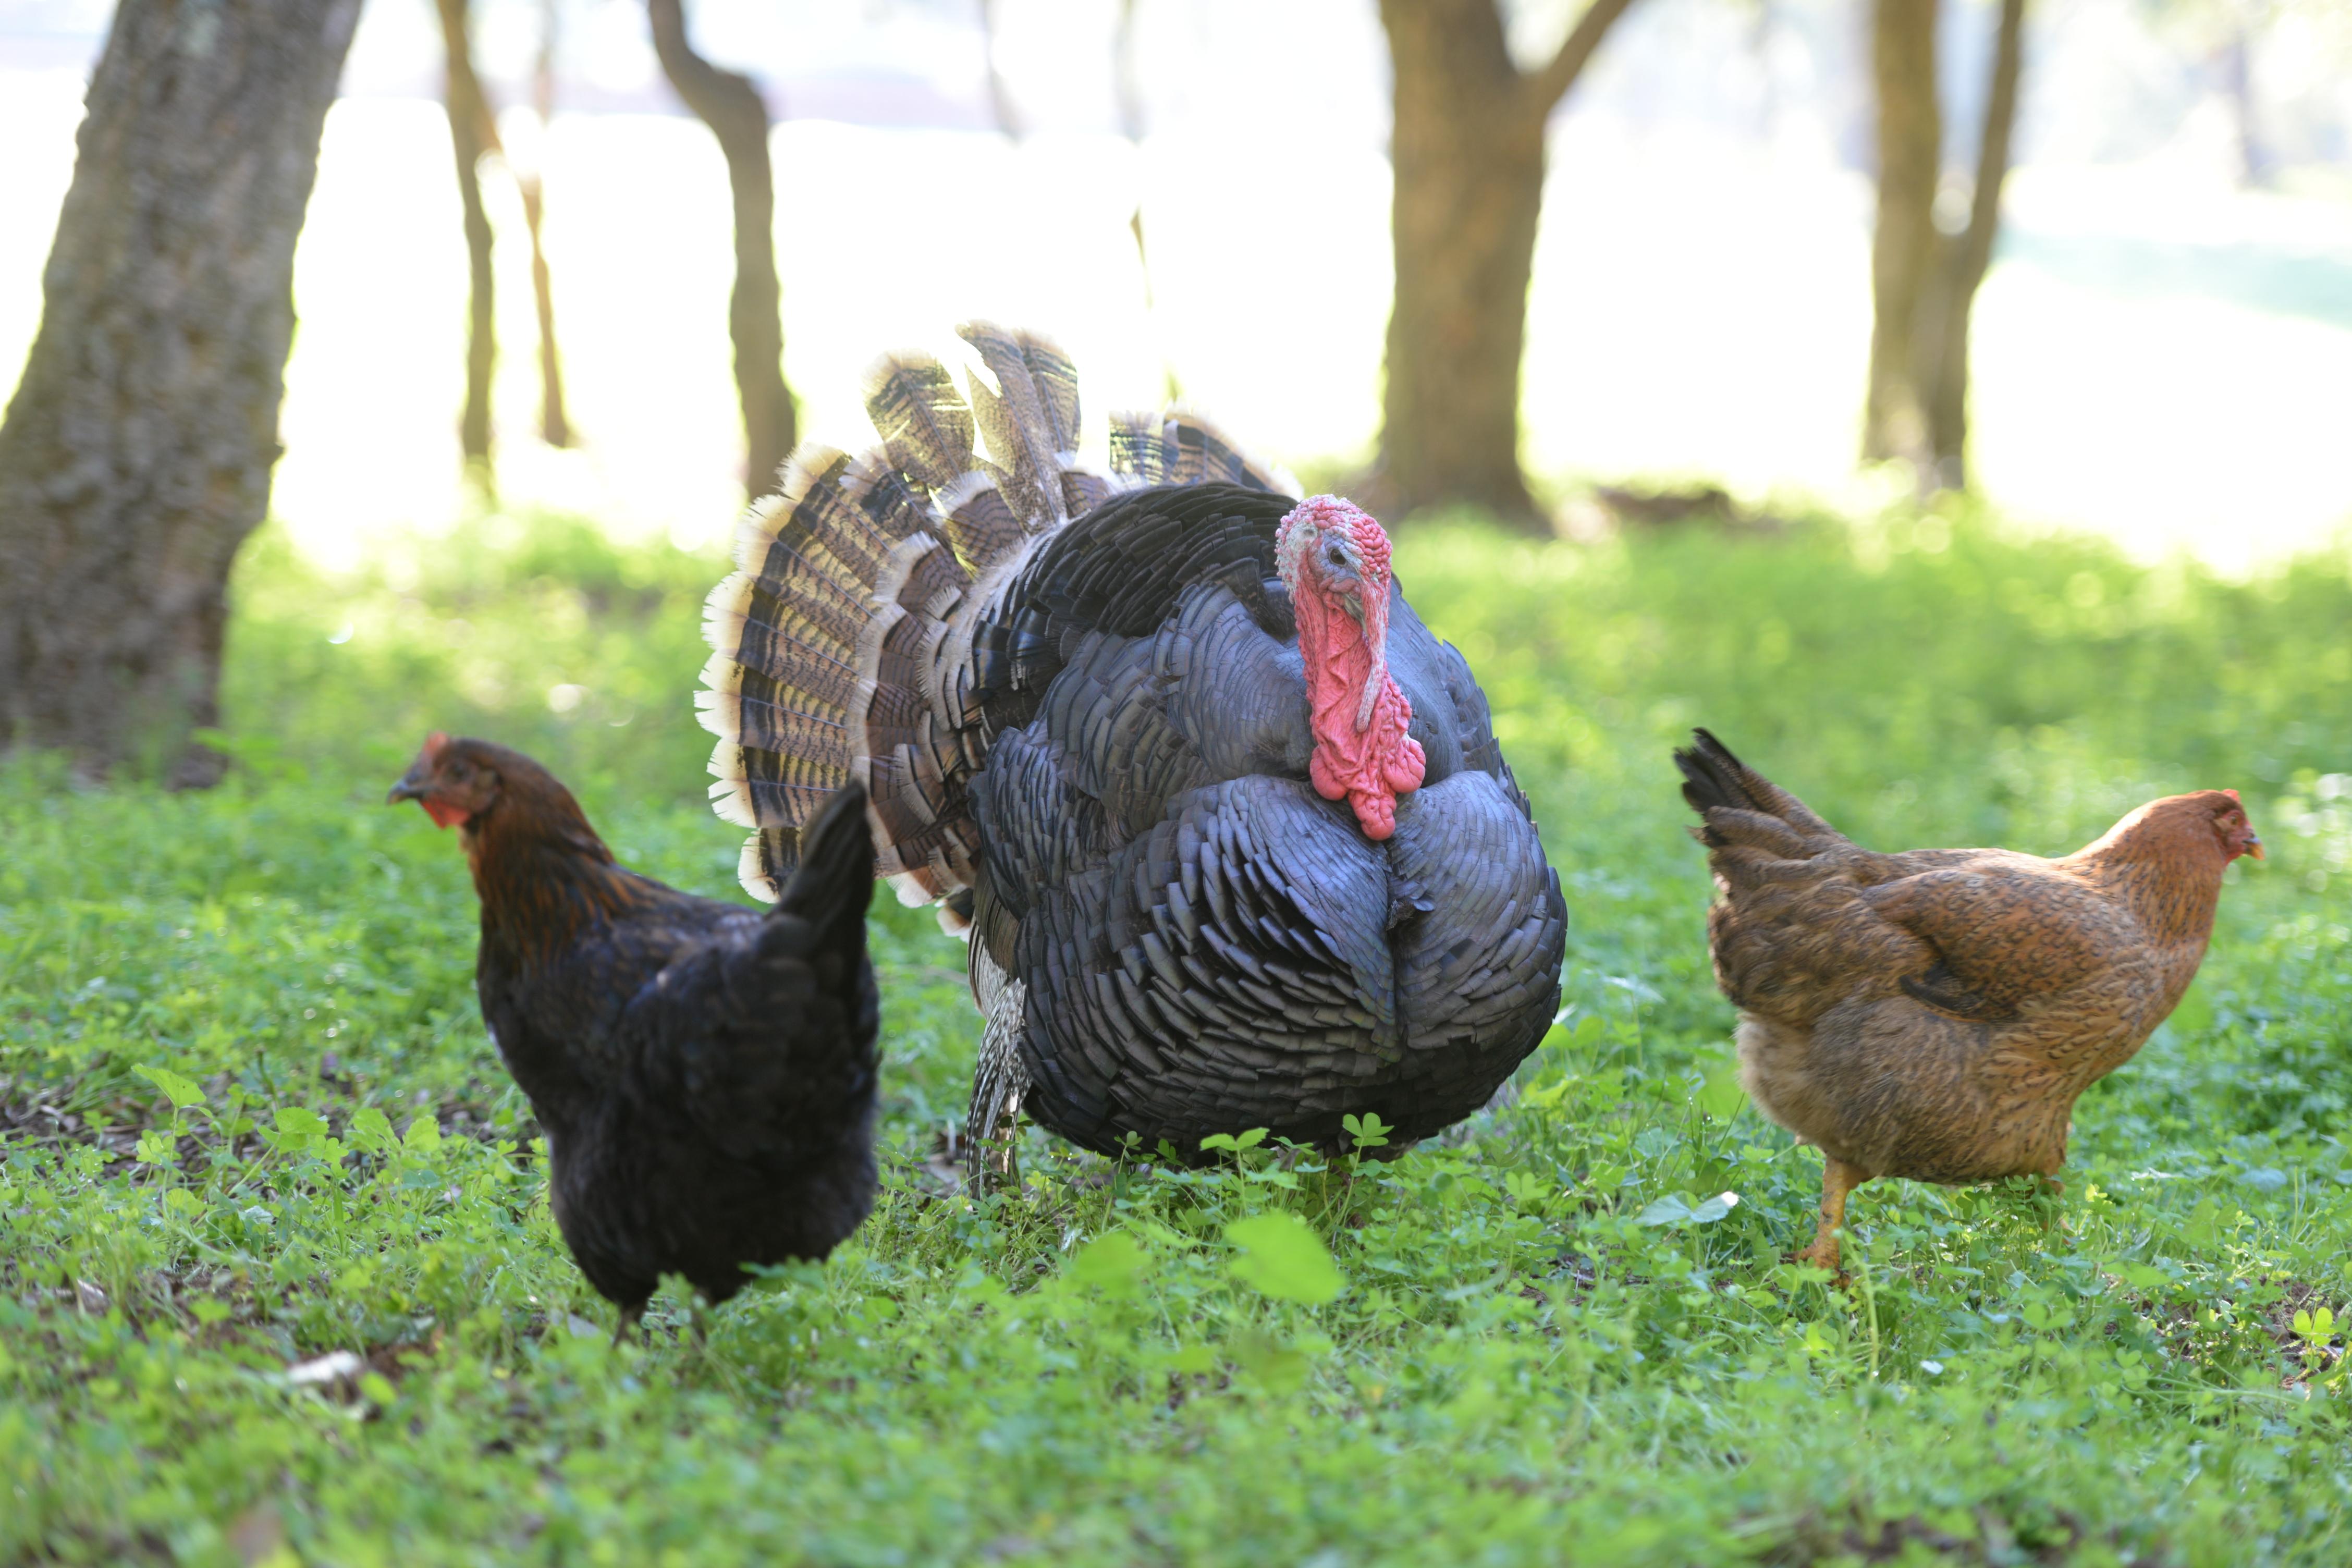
<point x="249" y="1118"/>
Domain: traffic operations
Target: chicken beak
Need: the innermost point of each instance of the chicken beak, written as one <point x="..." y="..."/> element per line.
<point x="2254" y="846"/>
<point x="410" y="787"/>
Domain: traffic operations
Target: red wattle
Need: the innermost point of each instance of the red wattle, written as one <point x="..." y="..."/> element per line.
<point x="444" y="816"/>
<point x="1369" y="767"/>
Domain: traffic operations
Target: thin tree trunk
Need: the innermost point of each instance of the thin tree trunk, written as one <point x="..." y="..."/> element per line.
<point x="1468" y="158"/>
<point x="1903" y="249"/>
<point x="1944" y="334"/>
<point x="731" y="105"/>
<point x="136" y="453"/>
<point x="1000" y="97"/>
<point x="472" y="135"/>
<point x="553" y="427"/>
<point x="2238" y="82"/>
<point x="1128" y="73"/>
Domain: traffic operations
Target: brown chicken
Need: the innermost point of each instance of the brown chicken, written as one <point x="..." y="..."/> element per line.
<point x="1934" y="1015"/>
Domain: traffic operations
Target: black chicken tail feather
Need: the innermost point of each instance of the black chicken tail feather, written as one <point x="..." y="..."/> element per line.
<point x="834" y="881"/>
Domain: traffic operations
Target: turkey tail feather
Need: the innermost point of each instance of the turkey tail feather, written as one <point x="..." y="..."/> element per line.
<point x="841" y="645"/>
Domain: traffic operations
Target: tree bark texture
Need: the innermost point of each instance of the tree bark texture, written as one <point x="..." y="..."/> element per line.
<point x="1468" y="157"/>
<point x="1944" y="335"/>
<point x="473" y="133"/>
<point x="1904" y="248"/>
<point x="731" y="105"/>
<point x="136" y="453"/>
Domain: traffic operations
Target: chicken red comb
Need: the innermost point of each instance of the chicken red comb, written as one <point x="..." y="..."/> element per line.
<point x="436" y="743"/>
<point x="2232" y="795"/>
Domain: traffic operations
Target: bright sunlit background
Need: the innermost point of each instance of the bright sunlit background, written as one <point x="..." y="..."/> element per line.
<point x="2160" y="356"/>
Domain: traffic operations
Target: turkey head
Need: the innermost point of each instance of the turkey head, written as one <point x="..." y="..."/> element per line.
<point x="1334" y="559"/>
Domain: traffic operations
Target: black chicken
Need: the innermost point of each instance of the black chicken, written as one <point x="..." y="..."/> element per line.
<point x="1229" y="827"/>
<point x="704" y="1072"/>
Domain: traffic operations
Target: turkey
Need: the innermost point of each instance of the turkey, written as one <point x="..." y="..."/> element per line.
<point x="1226" y="827"/>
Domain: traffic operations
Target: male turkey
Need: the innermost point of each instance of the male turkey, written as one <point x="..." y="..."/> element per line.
<point x="1227" y="828"/>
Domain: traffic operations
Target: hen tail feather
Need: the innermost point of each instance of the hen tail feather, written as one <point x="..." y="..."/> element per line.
<point x="833" y="882"/>
<point x="1741" y="806"/>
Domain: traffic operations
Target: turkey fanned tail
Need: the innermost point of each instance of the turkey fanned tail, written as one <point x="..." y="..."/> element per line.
<point x="841" y="643"/>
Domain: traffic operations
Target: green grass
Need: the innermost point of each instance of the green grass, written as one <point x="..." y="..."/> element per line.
<point x="1516" y="1368"/>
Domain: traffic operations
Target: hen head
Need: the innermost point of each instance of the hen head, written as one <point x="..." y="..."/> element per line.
<point x="455" y="781"/>
<point x="1334" y="559"/>
<point x="2207" y="827"/>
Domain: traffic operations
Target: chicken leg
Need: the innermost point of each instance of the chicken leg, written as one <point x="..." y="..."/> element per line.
<point x="1838" y="1179"/>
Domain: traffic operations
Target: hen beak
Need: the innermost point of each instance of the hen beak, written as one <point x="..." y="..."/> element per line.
<point x="410" y="787"/>
<point x="2254" y="846"/>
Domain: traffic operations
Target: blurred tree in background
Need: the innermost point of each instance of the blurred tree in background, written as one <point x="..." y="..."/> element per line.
<point x="1468" y="154"/>
<point x="473" y="133"/>
<point x="474" y="137"/>
<point x="1932" y="243"/>
<point x="2222" y="32"/>
<point x="730" y="104"/>
<point x="136" y="453"/>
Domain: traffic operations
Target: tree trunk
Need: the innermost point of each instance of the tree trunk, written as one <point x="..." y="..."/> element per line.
<point x="1128" y="81"/>
<point x="731" y="105"/>
<point x="1000" y="97"/>
<point x="1944" y="334"/>
<point x="553" y="427"/>
<point x="1468" y="157"/>
<point x="472" y="135"/>
<point x="135" y="456"/>
<point x="1904" y="250"/>
<point x="2238" y="82"/>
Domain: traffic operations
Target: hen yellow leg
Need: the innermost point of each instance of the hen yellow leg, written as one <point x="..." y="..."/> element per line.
<point x="1838" y="1179"/>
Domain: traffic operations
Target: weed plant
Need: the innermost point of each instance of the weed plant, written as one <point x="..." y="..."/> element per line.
<point x="277" y="1281"/>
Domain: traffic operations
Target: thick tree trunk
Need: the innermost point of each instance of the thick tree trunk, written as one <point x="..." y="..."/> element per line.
<point x="731" y="105"/>
<point x="1904" y="250"/>
<point x="472" y="135"/>
<point x="1468" y="156"/>
<point x="1944" y="334"/>
<point x="136" y="454"/>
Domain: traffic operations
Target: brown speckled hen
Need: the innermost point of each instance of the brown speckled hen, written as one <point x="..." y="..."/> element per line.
<point x="1934" y="1015"/>
<point x="704" y="1072"/>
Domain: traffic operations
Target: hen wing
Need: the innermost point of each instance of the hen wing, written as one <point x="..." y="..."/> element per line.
<point x="2006" y="929"/>
<point x="763" y="1036"/>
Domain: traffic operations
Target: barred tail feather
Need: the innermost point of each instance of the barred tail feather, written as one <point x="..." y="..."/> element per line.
<point x="841" y="644"/>
<point x="1179" y="446"/>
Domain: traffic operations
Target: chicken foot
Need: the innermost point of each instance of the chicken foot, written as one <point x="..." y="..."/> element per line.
<point x="1838" y="1179"/>
<point x="631" y="1318"/>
